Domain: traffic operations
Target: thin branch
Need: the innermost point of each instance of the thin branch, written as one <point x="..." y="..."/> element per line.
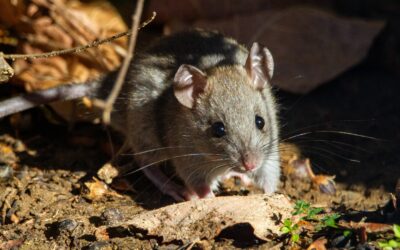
<point x="29" y="100"/>
<point x="80" y="48"/>
<point x="109" y="102"/>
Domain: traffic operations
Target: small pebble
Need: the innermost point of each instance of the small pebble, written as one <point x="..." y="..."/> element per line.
<point x="365" y="246"/>
<point x="6" y="173"/>
<point x="99" y="245"/>
<point x="111" y="216"/>
<point x="341" y="241"/>
<point x="67" y="225"/>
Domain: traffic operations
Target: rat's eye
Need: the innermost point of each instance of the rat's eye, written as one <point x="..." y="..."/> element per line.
<point x="218" y="129"/>
<point x="259" y="122"/>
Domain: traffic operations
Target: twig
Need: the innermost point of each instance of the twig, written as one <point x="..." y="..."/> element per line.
<point x="62" y="93"/>
<point x="79" y="48"/>
<point x="108" y="104"/>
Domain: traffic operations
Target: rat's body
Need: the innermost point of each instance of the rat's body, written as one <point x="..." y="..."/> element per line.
<point x="198" y="100"/>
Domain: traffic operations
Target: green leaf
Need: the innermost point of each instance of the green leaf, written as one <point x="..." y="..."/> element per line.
<point x="347" y="233"/>
<point x="383" y="244"/>
<point x="330" y="220"/>
<point x="394" y="243"/>
<point x="300" y="207"/>
<point x="287" y="223"/>
<point x="295" y="238"/>
<point x="285" y="230"/>
<point x="312" y="213"/>
<point x="396" y="230"/>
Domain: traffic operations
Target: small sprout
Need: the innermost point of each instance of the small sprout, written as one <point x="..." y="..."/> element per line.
<point x="295" y="238"/>
<point x="392" y="243"/>
<point x="347" y="233"/>
<point x="313" y="212"/>
<point x="302" y="207"/>
<point x="330" y="220"/>
<point x="291" y="228"/>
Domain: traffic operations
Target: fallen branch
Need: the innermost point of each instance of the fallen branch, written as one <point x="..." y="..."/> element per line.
<point x="79" y="48"/>
<point x="62" y="93"/>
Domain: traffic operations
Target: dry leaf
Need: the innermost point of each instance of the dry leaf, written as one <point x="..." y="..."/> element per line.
<point x="53" y="25"/>
<point x="318" y="244"/>
<point x="325" y="183"/>
<point x="206" y="218"/>
<point x="309" y="46"/>
<point x="95" y="190"/>
<point x="370" y="227"/>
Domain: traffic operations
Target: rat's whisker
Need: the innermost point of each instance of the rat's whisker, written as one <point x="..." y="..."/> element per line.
<point x="319" y="124"/>
<point x="316" y="149"/>
<point x="156" y="149"/>
<point x="173" y="157"/>
<point x="170" y="158"/>
<point x="337" y="145"/>
<point x="214" y="169"/>
<point x="331" y="132"/>
<point x="197" y="169"/>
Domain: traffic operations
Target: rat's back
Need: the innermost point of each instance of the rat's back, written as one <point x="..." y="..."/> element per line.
<point x="155" y="67"/>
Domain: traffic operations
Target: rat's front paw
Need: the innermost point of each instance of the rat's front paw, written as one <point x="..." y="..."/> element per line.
<point x="179" y="193"/>
<point x="246" y="181"/>
<point x="203" y="191"/>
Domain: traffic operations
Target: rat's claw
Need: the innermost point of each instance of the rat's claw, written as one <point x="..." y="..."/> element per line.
<point x="246" y="181"/>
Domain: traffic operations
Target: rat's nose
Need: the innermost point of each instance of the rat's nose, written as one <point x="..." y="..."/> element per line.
<point x="249" y="166"/>
<point x="249" y="161"/>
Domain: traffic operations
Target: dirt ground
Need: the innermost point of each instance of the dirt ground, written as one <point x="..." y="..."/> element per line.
<point x="348" y="128"/>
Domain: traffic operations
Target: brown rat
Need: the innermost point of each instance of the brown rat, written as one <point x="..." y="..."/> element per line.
<point x="200" y="101"/>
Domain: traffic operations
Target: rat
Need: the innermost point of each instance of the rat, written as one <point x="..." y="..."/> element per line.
<point x="204" y="103"/>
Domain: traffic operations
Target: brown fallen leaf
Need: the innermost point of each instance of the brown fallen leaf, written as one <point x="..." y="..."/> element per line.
<point x="309" y="46"/>
<point x="95" y="190"/>
<point x="325" y="183"/>
<point x="53" y="25"/>
<point x="370" y="227"/>
<point x="206" y="218"/>
<point x="319" y="244"/>
<point x="289" y="153"/>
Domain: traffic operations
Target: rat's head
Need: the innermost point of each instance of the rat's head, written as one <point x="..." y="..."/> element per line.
<point x="232" y="109"/>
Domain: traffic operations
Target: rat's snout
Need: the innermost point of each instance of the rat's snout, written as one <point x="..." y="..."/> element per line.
<point x="250" y="161"/>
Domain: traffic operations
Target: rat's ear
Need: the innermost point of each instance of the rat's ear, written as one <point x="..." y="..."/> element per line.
<point x="189" y="83"/>
<point x="259" y="66"/>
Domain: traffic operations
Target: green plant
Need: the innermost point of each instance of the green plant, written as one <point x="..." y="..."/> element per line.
<point x="329" y="221"/>
<point x="302" y="207"/>
<point x="392" y="243"/>
<point x="308" y="213"/>
<point x="291" y="228"/>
